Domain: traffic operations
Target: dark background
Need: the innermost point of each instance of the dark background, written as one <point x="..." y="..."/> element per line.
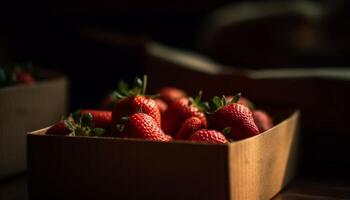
<point x="55" y="35"/>
<point x="51" y="34"/>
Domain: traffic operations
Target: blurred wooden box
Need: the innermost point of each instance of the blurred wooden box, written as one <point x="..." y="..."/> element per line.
<point x="25" y="108"/>
<point x="64" y="167"/>
<point x="321" y="94"/>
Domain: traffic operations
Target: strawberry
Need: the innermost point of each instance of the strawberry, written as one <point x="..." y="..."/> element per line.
<point x="171" y="94"/>
<point x="101" y="118"/>
<point x="190" y="126"/>
<point x="10" y="75"/>
<point x="178" y="112"/>
<point x="58" y="129"/>
<point x="77" y="124"/>
<point x="132" y="105"/>
<point x="134" y="100"/>
<point x="208" y="136"/>
<point x="161" y="105"/>
<point x="244" y="101"/>
<point x="109" y="101"/>
<point x="262" y="120"/>
<point x="141" y="125"/>
<point x="235" y="117"/>
<point x="24" y="77"/>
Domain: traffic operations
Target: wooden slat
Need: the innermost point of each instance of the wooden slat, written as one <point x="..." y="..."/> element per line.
<point x="26" y="108"/>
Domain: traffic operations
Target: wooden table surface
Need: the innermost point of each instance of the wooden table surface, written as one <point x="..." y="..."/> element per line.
<point x="15" y="188"/>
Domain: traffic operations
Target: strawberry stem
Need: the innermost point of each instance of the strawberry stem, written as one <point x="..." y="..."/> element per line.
<point x="144" y="85"/>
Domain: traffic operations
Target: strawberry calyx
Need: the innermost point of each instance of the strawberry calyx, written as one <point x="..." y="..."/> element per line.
<point x="81" y="124"/>
<point x="197" y="101"/>
<point x="121" y="124"/>
<point x="227" y="133"/>
<point x="138" y="89"/>
<point x="217" y="103"/>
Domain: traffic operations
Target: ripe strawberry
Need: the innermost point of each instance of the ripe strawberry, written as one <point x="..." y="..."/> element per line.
<point x="141" y="125"/>
<point x="237" y="117"/>
<point x="178" y="112"/>
<point x="262" y="120"/>
<point x="190" y="126"/>
<point x="77" y="124"/>
<point x="171" y="94"/>
<point x="101" y="118"/>
<point x="161" y="105"/>
<point x="208" y="136"/>
<point x="24" y="77"/>
<point x="14" y="74"/>
<point x="109" y="101"/>
<point x="134" y="100"/>
<point x="130" y="105"/>
<point x="58" y="129"/>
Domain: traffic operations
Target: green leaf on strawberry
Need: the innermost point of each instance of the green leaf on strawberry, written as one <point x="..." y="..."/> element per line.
<point x="86" y="120"/>
<point x="139" y="88"/>
<point x="197" y="101"/>
<point x="77" y="116"/>
<point x="236" y="98"/>
<point x="218" y="102"/>
<point x="226" y="131"/>
<point x="123" y="87"/>
<point x="81" y="125"/>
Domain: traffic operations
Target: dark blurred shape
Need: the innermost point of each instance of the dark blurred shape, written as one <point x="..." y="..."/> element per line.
<point x="59" y="35"/>
<point x="336" y="27"/>
<point x="278" y="34"/>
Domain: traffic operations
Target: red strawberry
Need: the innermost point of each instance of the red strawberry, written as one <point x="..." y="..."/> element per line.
<point x="58" y="129"/>
<point x="24" y="77"/>
<point x="133" y="101"/>
<point x="131" y="105"/>
<point x="262" y="120"/>
<point x="171" y="94"/>
<point x="101" y="118"/>
<point x="190" y="126"/>
<point x="180" y="111"/>
<point x="77" y="124"/>
<point x="161" y="105"/>
<point x="141" y="125"/>
<point x="208" y="136"/>
<point x="109" y="101"/>
<point x="237" y="117"/>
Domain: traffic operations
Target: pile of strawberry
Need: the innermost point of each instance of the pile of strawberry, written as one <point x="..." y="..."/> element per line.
<point x="170" y="115"/>
<point x="17" y="74"/>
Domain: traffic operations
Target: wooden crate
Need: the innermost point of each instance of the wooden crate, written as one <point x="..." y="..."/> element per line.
<point x="25" y="108"/>
<point x="65" y="167"/>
